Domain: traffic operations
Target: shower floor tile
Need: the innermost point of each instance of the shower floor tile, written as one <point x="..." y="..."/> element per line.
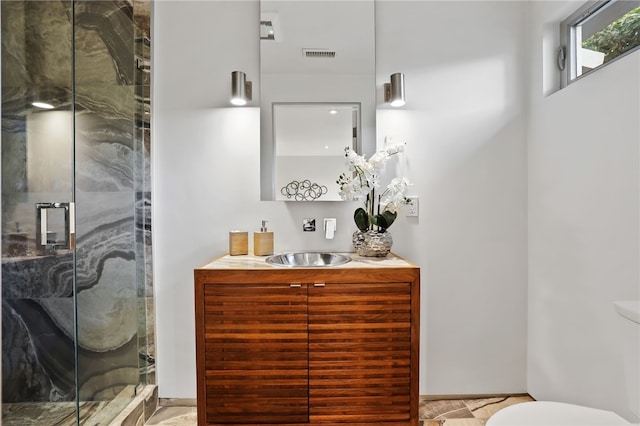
<point x="47" y="413"/>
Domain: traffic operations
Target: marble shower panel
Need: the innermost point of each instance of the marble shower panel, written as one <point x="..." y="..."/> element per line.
<point x="113" y="199"/>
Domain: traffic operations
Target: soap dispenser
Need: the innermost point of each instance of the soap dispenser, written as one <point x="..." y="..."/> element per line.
<point x="263" y="241"/>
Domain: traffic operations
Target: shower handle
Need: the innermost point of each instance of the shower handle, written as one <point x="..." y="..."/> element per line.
<point x="42" y="233"/>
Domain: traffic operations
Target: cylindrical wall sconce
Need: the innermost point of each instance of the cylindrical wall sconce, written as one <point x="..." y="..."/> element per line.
<point x="240" y="88"/>
<point x="394" y="91"/>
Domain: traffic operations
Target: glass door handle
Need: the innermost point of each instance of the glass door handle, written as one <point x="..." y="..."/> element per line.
<point x="55" y="220"/>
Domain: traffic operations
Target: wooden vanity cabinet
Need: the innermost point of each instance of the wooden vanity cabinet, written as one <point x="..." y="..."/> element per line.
<point x="255" y="353"/>
<point x="307" y="346"/>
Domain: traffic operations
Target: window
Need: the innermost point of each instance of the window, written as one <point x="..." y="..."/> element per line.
<point x="596" y="34"/>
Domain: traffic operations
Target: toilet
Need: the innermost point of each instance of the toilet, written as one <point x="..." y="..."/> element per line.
<point x="551" y="413"/>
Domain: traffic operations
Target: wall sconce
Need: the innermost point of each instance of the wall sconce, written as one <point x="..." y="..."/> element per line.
<point x="240" y="88"/>
<point x="394" y="91"/>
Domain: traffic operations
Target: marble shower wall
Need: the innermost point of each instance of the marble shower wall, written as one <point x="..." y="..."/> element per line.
<point x="110" y="124"/>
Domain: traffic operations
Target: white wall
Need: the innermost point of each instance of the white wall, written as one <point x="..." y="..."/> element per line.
<point x="583" y="221"/>
<point x="464" y="127"/>
<point x="465" y="133"/>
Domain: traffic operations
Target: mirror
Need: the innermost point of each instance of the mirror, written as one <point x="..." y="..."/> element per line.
<point x="309" y="149"/>
<point x="315" y="56"/>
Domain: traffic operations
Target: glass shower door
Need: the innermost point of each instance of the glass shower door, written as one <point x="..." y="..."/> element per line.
<point x="74" y="209"/>
<point x="38" y="310"/>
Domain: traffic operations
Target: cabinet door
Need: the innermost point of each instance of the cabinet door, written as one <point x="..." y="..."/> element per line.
<point x="360" y="352"/>
<point x="256" y="353"/>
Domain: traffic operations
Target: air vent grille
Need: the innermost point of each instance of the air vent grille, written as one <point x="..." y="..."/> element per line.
<point x="318" y="53"/>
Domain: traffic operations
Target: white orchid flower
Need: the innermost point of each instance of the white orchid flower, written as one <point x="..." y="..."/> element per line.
<point x="363" y="180"/>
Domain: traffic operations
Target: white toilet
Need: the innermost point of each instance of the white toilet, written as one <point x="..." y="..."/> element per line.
<point x="550" y="413"/>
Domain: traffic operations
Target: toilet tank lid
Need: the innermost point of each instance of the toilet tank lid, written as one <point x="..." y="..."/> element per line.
<point x="629" y="309"/>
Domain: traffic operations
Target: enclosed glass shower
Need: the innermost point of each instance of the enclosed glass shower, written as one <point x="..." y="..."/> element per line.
<point x="76" y="232"/>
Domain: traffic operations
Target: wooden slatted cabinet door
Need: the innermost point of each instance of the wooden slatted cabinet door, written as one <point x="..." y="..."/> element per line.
<point x="360" y="352"/>
<point x="256" y="363"/>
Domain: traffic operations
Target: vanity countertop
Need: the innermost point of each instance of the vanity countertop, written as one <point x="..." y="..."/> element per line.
<point x="252" y="262"/>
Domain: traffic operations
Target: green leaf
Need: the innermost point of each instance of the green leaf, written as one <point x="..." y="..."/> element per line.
<point x="361" y="218"/>
<point x="617" y="37"/>
<point x="385" y="220"/>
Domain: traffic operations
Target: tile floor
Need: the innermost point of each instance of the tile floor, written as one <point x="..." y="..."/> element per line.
<point x="174" y="416"/>
<point x="444" y="412"/>
<point x="465" y="412"/>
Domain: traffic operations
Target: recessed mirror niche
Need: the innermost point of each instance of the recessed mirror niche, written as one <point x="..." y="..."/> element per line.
<point x="317" y="94"/>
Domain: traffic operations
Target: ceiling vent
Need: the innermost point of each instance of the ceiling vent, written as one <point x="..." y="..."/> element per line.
<point x="318" y="53"/>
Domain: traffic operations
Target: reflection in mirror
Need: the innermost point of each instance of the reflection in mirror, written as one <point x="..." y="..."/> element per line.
<point x="309" y="148"/>
<point x="314" y="53"/>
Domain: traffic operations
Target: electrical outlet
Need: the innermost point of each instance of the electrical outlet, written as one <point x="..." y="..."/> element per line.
<point x="412" y="206"/>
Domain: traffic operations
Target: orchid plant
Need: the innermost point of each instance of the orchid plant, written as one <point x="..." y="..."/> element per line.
<point x="362" y="181"/>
